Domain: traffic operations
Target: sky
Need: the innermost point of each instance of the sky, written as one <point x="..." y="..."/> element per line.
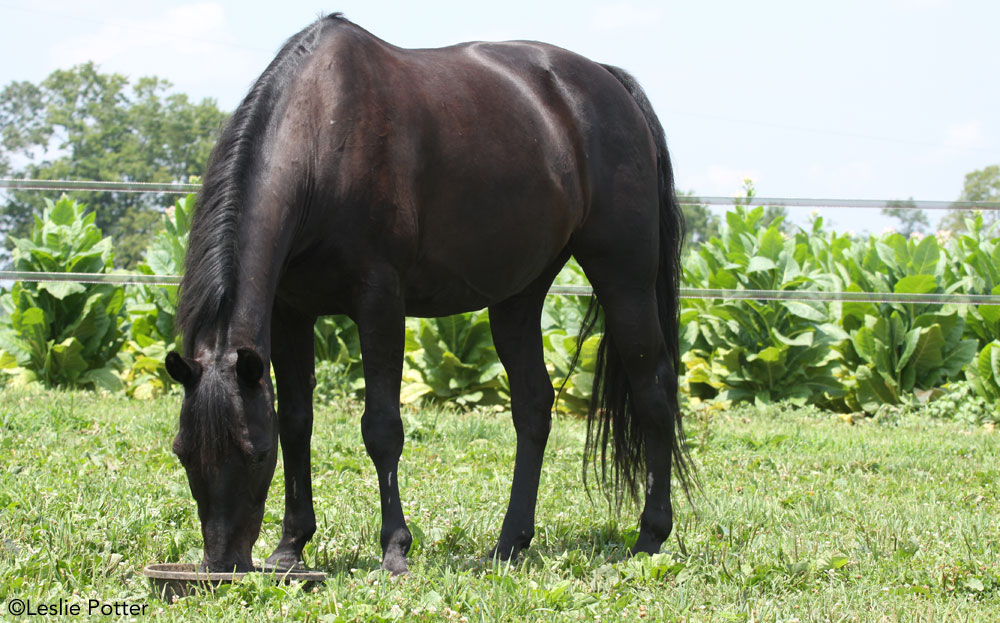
<point x="862" y="99"/>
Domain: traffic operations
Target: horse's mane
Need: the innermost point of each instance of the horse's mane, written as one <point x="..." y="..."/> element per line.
<point x="206" y="292"/>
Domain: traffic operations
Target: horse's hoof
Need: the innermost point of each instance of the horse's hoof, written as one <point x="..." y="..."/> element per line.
<point x="395" y="564"/>
<point x="493" y="558"/>
<point x="283" y="561"/>
<point x="646" y="544"/>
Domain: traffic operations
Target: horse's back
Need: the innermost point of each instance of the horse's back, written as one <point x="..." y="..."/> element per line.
<point x="469" y="168"/>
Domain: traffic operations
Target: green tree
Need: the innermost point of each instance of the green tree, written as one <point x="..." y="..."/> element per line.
<point x="910" y="219"/>
<point x="980" y="185"/>
<point x="80" y="123"/>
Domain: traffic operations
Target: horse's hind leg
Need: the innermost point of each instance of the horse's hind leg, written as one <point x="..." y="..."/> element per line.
<point x="292" y="354"/>
<point x="517" y="335"/>
<point x="632" y="320"/>
<point x="623" y="278"/>
<point x="379" y="313"/>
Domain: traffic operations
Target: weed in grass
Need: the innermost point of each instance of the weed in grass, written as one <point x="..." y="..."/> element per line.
<point x="801" y="516"/>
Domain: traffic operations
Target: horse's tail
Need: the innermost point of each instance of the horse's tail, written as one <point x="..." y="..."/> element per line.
<point x="611" y="416"/>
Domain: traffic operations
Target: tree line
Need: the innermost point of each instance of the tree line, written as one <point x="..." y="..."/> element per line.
<point x="81" y="123"/>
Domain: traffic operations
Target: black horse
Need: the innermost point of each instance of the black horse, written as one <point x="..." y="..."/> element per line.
<point x="364" y="179"/>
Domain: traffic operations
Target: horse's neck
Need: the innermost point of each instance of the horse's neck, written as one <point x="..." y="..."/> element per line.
<point x="260" y="257"/>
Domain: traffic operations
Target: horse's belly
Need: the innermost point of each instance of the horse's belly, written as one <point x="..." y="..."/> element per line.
<point x="479" y="271"/>
<point x="445" y="300"/>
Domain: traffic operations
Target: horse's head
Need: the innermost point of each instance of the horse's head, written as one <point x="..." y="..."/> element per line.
<point x="227" y="442"/>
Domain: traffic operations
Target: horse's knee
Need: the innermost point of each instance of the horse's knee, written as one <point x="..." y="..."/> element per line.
<point x="382" y="434"/>
<point x="535" y="427"/>
<point x="532" y="414"/>
<point x="295" y="425"/>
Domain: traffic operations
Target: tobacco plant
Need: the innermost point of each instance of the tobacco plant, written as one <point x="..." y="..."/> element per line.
<point x="896" y="348"/>
<point x="62" y="333"/>
<point x="151" y="309"/>
<point x="453" y="358"/>
<point x="750" y="350"/>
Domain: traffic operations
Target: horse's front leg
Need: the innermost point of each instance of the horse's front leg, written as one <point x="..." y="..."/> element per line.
<point x="517" y="334"/>
<point x="292" y="355"/>
<point x="379" y="314"/>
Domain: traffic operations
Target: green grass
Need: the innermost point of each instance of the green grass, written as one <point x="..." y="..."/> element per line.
<point x="802" y="517"/>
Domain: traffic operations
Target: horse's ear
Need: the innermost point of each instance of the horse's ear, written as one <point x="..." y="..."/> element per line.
<point x="184" y="371"/>
<point x="249" y="365"/>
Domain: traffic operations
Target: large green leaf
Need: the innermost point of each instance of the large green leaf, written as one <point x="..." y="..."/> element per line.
<point x="995" y="363"/>
<point x="984" y="374"/>
<point x="760" y="264"/>
<point x="62" y="289"/>
<point x="62" y="212"/>
<point x="65" y="362"/>
<point x="873" y="390"/>
<point x="771" y="244"/>
<point x="909" y="347"/>
<point x="958" y="357"/>
<point x="927" y="357"/>
<point x="806" y="310"/>
<point x="916" y="284"/>
<point x="925" y="256"/>
<point x="102" y="378"/>
<point x="991" y="313"/>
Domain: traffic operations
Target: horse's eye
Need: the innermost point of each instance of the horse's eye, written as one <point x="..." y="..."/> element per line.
<point x="259" y="458"/>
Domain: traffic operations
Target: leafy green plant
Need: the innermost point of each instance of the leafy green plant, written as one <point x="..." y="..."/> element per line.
<point x="151" y="309"/>
<point x="759" y="351"/>
<point x="957" y="400"/>
<point x="984" y="372"/>
<point x="895" y="348"/>
<point x="902" y="355"/>
<point x="338" y="358"/>
<point x="62" y="333"/>
<point x="453" y="358"/>
<point x="562" y="317"/>
<point x="573" y="384"/>
<point x="974" y="267"/>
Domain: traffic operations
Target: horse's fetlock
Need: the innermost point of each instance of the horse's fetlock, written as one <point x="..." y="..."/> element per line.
<point x="398" y="539"/>
<point x="658" y="523"/>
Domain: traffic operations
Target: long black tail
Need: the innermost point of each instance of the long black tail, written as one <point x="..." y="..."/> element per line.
<point x="611" y="418"/>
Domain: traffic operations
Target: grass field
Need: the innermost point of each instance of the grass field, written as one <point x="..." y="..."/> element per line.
<point x="803" y="516"/>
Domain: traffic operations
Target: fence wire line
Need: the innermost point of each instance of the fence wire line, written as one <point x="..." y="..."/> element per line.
<point x="687" y="293"/>
<point x="96" y="186"/>
<point x="182" y="189"/>
<point x="122" y="279"/>
<point x="690" y="293"/>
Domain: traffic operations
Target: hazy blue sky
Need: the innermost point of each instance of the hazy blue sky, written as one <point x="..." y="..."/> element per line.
<point x="873" y="99"/>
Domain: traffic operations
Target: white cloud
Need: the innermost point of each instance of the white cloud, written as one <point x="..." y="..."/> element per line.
<point x="967" y="135"/>
<point x="191" y="45"/>
<point x="958" y="139"/>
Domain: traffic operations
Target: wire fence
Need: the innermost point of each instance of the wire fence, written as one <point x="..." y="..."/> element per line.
<point x="124" y="278"/>
<point x="784" y="202"/>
